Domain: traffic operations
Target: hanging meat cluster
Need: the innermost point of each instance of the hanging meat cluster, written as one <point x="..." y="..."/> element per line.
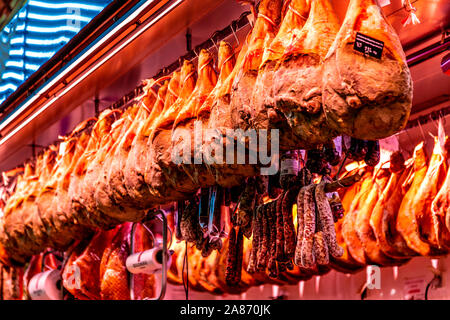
<point x="297" y="71"/>
<point x="396" y="213"/>
<point x="92" y="269"/>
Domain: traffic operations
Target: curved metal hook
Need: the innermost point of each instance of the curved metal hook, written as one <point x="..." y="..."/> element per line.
<point x="234" y="34"/>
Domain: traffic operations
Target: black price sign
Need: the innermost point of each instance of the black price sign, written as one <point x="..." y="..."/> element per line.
<point x="368" y="46"/>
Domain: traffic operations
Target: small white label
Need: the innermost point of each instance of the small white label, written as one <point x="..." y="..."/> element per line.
<point x="338" y="145"/>
<point x="289" y="166"/>
<point x="384" y="3"/>
<point x="414" y="288"/>
<point x="387" y="147"/>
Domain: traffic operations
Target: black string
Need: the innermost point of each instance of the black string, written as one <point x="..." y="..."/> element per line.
<point x="186" y="267"/>
<point x="336" y="177"/>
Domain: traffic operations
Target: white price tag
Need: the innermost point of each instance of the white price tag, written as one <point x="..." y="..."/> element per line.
<point x="338" y="144"/>
<point x="289" y="166"/>
<point x="387" y="147"/>
<point x="414" y="288"/>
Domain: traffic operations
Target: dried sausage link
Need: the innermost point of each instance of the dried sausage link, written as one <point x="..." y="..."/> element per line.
<point x="300" y="226"/>
<point x="263" y="256"/>
<point x="308" y="259"/>
<point x="272" y="266"/>
<point x="251" y="268"/>
<point x="321" y="249"/>
<point x="239" y="256"/>
<point x="280" y="250"/>
<point x="288" y="222"/>
<point x="231" y="259"/>
<point x="327" y="221"/>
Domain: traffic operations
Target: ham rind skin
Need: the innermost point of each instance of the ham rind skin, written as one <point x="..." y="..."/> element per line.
<point x="193" y="175"/>
<point x="365" y="97"/>
<point x="364" y="228"/>
<point x="297" y="90"/>
<point x="441" y="205"/>
<point x="85" y="263"/>
<point x="407" y="223"/>
<point x="100" y="133"/>
<point x="354" y="245"/>
<point x="263" y="112"/>
<point x="384" y="247"/>
<point x="431" y="228"/>
<point x="136" y="161"/>
<point x="265" y="29"/>
<point x="162" y="185"/>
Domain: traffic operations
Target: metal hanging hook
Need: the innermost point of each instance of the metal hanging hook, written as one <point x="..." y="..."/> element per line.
<point x="421" y="129"/>
<point x="234" y="34"/>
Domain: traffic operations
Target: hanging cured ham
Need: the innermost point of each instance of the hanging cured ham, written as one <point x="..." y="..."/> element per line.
<point x="264" y="113"/>
<point x="114" y="278"/>
<point x="440" y="206"/>
<point x="297" y="90"/>
<point x="266" y="27"/>
<point x="99" y="134"/>
<point x="351" y="238"/>
<point x="81" y="275"/>
<point x="384" y="214"/>
<point x="228" y="173"/>
<point x="346" y="263"/>
<point x="160" y="182"/>
<point x="406" y="219"/>
<point x="46" y="203"/>
<point x="108" y="186"/>
<point x="186" y="129"/>
<point x="95" y="195"/>
<point x="363" y="226"/>
<point x="24" y="223"/>
<point x="114" y="187"/>
<point x="431" y="227"/>
<point x="134" y="167"/>
<point x="366" y="95"/>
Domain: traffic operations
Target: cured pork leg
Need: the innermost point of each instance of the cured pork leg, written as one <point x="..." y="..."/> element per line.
<point x="351" y="238"/>
<point x="134" y="181"/>
<point x="99" y="133"/>
<point x="265" y="29"/>
<point x="264" y="113"/>
<point x="81" y="275"/>
<point x="58" y="238"/>
<point x="191" y="176"/>
<point x="95" y="197"/>
<point x="161" y="185"/>
<point x="430" y="225"/>
<point x="363" y="226"/>
<point x="297" y="90"/>
<point x="216" y="111"/>
<point x="363" y="96"/>
<point x="346" y="263"/>
<point x="440" y="206"/>
<point x="407" y="223"/>
<point x="114" y="183"/>
<point x="388" y="198"/>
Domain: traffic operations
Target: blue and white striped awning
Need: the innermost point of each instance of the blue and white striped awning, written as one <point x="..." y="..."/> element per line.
<point x="36" y="33"/>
